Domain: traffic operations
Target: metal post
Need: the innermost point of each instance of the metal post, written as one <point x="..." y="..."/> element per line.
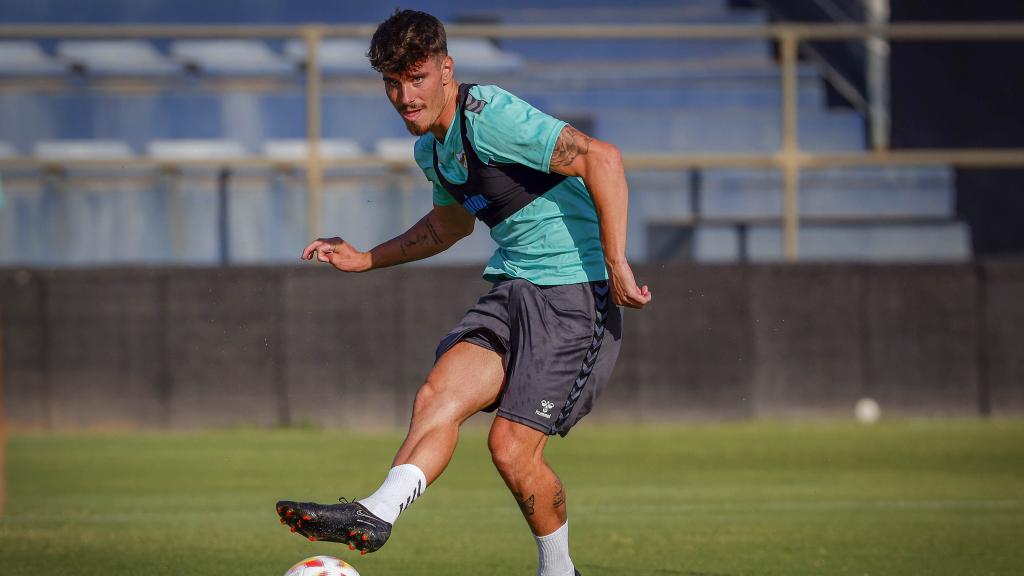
<point x="174" y="204"/>
<point x="790" y="147"/>
<point x="878" y="74"/>
<point x="224" y="215"/>
<point x="696" y="195"/>
<point x="314" y="167"/>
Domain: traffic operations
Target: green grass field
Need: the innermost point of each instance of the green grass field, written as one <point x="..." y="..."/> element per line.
<point x="922" y="497"/>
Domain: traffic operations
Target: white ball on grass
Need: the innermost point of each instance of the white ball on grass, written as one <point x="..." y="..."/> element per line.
<point x="867" y="411"/>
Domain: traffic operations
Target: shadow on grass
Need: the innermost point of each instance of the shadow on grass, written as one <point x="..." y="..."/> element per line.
<point x="594" y="570"/>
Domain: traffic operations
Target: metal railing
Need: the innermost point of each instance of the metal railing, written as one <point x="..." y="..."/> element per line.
<point x="790" y="158"/>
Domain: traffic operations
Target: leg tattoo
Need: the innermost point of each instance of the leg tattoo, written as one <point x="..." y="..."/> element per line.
<point x="559" y="500"/>
<point x="526" y="504"/>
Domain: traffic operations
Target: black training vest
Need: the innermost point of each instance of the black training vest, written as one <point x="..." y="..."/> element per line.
<point x="493" y="193"/>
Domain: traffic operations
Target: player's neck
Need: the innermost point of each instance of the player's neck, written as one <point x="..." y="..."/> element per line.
<point x="444" y="120"/>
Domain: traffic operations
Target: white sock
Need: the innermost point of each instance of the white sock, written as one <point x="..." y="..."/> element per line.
<point x="553" y="553"/>
<point x="404" y="484"/>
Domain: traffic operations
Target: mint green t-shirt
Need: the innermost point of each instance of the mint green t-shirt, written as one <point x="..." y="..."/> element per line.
<point x="553" y="240"/>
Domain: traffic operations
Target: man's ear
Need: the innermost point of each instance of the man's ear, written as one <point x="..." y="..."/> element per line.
<point x="447" y="68"/>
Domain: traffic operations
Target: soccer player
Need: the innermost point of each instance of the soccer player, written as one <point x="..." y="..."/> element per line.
<point x="540" y="345"/>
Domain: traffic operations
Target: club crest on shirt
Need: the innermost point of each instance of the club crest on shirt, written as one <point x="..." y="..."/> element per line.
<point x="461" y="157"/>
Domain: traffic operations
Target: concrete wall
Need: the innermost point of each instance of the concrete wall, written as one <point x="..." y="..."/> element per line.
<point x="186" y="348"/>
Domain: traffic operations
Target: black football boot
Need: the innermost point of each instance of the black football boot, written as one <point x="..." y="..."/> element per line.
<point x="348" y="522"/>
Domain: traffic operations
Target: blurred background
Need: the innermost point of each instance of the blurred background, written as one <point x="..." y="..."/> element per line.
<point x="826" y="198"/>
<point x="825" y="210"/>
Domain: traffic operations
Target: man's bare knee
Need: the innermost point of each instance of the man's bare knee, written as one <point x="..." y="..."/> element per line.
<point x="431" y="404"/>
<point x="514" y="446"/>
<point x="503" y="454"/>
<point x="426" y="396"/>
<point x="463" y="382"/>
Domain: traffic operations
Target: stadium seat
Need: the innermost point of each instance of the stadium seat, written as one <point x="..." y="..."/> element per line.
<point x="644" y="95"/>
<point x="665" y="241"/>
<point x="605" y="86"/>
<point x="336" y="56"/>
<point x="395" y="149"/>
<point x="716" y="244"/>
<point x="677" y="12"/>
<point x="722" y="130"/>
<point x="851" y="191"/>
<point x="116" y="57"/>
<point x="348" y="56"/>
<point x="65" y="150"/>
<point x="644" y="50"/>
<point x="230" y="57"/>
<point x="7" y="150"/>
<point x="26" y="59"/>
<point x="296" y="149"/>
<point x="196" y="150"/>
<point x="480" y="55"/>
<point x="944" y="242"/>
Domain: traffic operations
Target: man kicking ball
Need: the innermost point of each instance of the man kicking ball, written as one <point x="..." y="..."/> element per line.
<point x="540" y="345"/>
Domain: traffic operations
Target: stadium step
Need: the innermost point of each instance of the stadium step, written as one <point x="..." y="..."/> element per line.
<point x="852" y="191"/>
<point x="863" y="241"/>
<point x="735" y="130"/>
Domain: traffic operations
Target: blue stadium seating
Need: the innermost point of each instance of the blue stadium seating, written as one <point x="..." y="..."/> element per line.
<point x="643" y="95"/>
<point x="296" y="11"/>
<point x="940" y="242"/>
<point x="231" y="57"/>
<point x="23" y="58"/>
<point x="861" y="191"/>
<point x="116" y="58"/>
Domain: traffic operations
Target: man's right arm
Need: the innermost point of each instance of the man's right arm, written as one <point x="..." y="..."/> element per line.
<point x="441" y="228"/>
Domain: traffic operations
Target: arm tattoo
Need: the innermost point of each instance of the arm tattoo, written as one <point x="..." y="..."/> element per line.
<point x="420" y="238"/>
<point x="571" y="143"/>
<point x="559" y="496"/>
<point x="525" y="504"/>
<point x="433" y="233"/>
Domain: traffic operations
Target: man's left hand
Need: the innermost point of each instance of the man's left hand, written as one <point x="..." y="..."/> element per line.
<point x="625" y="291"/>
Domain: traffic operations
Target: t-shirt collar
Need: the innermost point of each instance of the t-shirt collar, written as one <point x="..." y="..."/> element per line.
<point x="453" y="127"/>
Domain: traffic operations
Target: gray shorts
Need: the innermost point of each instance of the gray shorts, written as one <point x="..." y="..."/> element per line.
<point x="559" y="345"/>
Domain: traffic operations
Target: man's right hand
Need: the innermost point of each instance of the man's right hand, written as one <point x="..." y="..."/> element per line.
<point x="337" y="253"/>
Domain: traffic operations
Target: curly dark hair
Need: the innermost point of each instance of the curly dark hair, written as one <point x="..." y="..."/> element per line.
<point x="405" y="40"/>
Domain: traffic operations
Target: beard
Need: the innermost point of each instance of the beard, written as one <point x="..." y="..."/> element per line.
<point x="415" y="129"/>
<point x="422" y="123"/>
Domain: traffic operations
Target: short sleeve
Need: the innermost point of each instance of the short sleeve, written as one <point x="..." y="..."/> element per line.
<point x="441" y="196"/>
<point x="509" y="130"/>
<point x="423" y="152"/>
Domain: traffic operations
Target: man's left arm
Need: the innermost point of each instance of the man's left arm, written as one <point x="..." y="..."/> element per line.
<point x="599" y="164"/>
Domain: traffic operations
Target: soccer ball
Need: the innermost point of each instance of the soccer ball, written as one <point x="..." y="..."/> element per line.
<point x="322" y="566"/>
<point x="867" y="411"/>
